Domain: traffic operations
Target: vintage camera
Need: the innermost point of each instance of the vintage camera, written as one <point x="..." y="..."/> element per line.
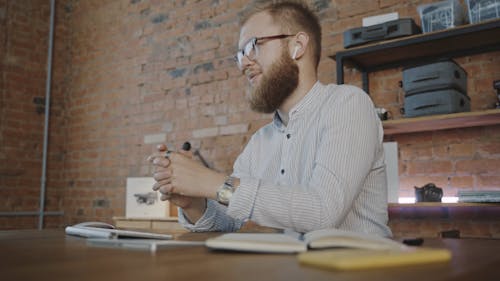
<point x="428" y="193"/>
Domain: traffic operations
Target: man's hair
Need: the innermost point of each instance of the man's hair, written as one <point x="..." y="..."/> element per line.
<point x="292" y="16"/>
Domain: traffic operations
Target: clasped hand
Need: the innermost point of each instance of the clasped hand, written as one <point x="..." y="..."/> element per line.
<point x="179" y="177"/>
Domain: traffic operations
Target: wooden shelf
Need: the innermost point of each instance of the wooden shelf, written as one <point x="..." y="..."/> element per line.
<point x="436" y="210"/>
<point x="442" y="122"/>
<point x="441" y="205"/>
<point x="459" y="41"/>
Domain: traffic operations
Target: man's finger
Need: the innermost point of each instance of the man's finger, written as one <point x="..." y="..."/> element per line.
<point x="157" y="185"/>
<point x="165" y="197"/>
<point x="155" y="155"/>
<point x="161" y="161"/>
<point x="165" y="189"/>
<point x="150" y="158"/>
<point x="162" y="175"/>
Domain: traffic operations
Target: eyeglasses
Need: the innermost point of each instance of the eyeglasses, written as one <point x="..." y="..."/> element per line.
<point x="250" y="49"/>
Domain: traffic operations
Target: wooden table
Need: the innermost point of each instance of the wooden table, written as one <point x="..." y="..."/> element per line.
<point x="50" y="255"/>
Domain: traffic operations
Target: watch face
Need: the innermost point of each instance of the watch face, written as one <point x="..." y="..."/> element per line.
<point x="224" y="194"/>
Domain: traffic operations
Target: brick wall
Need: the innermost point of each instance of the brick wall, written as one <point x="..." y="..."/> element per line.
<point x="24" y="33"/>
<point x="130" y="74"/>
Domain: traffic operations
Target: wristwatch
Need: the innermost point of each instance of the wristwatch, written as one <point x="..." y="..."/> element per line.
<point x="225" y="191"/>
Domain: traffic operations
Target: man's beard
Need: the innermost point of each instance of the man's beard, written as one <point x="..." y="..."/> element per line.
<point x="275" y="86"/>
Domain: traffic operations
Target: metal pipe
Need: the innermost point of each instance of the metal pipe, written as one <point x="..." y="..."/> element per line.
<point x="47" y="112"/>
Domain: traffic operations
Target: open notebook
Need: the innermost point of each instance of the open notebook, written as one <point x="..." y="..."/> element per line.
<point x="293" y="242"/>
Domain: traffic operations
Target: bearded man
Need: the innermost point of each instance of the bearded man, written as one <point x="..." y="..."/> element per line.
<point x="318" y="164"/>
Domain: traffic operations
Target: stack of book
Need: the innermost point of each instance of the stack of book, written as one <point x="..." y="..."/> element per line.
<point x="479" y="196"/>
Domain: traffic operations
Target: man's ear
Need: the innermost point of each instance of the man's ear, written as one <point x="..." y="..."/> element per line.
<point x="300" y="43"/>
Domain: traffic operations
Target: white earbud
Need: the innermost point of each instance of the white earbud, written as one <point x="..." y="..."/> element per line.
<point x="295" y="52"/>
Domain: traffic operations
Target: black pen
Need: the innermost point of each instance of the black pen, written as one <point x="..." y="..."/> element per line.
<point x="187" y="147"/>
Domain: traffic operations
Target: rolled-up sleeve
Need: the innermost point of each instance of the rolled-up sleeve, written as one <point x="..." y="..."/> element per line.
<point x="214" y="219"/>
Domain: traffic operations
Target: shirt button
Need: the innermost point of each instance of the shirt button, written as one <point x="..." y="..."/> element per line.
<point x="282" y="171"/>
<point x="288" y="136"/>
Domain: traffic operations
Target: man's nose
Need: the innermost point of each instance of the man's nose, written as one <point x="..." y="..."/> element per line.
<point x="246" y="62"/>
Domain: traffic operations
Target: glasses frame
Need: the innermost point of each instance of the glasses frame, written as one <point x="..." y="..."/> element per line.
<point x="250" y="49"/>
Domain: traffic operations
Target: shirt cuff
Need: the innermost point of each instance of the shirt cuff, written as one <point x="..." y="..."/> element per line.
<point x="243" y="200"/>
<point x="206" y="221"/>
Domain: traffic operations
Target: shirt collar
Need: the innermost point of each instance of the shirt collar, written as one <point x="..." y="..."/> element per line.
<point x="306" y="102"/>
<point x="277" y="122"/>
<point x="302" y="106"/>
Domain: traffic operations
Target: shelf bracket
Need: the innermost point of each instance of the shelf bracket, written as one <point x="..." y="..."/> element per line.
<point x="340" y="70"/>
<point x="366" y="82"/>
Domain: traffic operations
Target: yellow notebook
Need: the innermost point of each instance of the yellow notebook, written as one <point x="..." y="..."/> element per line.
<point x="356" y="259"/>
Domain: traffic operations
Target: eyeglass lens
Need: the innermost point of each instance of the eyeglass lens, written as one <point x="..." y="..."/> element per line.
<point x="249" y="50"/>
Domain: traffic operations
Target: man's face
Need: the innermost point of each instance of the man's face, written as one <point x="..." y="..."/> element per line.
<point x="272" y="74"/>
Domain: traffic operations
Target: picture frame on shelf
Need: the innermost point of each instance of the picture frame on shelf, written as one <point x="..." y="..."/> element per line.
<point x="142" y="201"/>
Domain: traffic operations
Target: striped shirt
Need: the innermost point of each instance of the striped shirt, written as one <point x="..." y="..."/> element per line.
<point x="325" y="169"/>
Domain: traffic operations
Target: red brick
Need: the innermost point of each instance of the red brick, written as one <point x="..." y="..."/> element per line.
<point x="429" y="167"/>
<point x="441" y="151"/>
<point x="488" y="149"/>
<point x="348" y="8"/>
<point x="415" y="153"/>
<point x="414" y="138"/>
<point x="478" y="166"/>
<point x="462" y="182"/>
<point x="388" y="3"/>
<point x="466" y="150"/>
<point x="492" y="132"/>
<point x="488" y="181"/>
<point x="454" y="136"/>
